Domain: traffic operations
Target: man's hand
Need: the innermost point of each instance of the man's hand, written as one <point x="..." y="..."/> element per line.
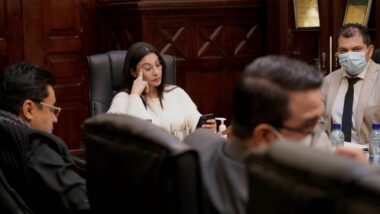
<point x="356" y="154"/>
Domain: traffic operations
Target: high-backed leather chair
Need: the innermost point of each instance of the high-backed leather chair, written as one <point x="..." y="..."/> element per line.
<point x="106" y="77"/>
<point x="137" y="167"/>
<point x="10" y="201"/>
<point x="376" y="56"/>
<point x="289" y="178"/>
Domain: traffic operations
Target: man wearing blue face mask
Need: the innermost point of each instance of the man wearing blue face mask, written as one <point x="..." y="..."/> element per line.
<point x="351" y="94"/>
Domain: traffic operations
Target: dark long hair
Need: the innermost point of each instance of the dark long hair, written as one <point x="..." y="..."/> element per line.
<point x="134" y="55"/>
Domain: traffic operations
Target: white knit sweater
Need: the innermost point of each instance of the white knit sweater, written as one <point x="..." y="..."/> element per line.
<point x="178" y="110"/>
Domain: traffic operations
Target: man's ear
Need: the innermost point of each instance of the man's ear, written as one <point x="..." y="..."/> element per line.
<point x="27" y="110"/>
<point x="371" y="48"/>
<point x="263" y="135"/>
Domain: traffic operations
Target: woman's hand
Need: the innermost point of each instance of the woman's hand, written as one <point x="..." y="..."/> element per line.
<point x="140" y="85"/>
<point x="210" y="125"/>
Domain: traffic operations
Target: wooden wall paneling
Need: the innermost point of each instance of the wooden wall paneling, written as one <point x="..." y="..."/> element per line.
<point x="119" y="34"/>
<point x="296" y="43"/>
<point x="211" y="50"/>
<point x="89" y="27"/>
<point x="338" y="8"/>
<point x="304" y="45"/>
<point x="210" y="46"/>
<point x="33" y="33"/>
<point x="377" y="23"/>
<point x="372" y="24"/>
<point x="118" y="27"/>
<point x="212" y="40"/>
<point x="272" y="24"/>
<point x="277" y="24"/>
<point x="3" y="26"/>
<point x="301" y="43"/>
<point x="53" y="41"/>
<point x="311" y="45"/>
<point x="3" y="34"/>
<point x="88" y="38"/>
<point x="13" y="33"/>
<point x="324" y="35"/>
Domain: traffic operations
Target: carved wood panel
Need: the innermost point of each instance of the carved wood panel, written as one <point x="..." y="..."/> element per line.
<point x="212" y="44"/>
<point x="3" y="31"/>
<point x="11" y="37"/>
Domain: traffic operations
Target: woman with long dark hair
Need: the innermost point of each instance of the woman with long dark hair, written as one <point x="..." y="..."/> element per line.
<point x="146" y="95"/>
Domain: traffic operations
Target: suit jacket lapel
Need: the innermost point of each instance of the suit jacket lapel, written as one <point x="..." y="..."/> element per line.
<point x="332" y="91"/>
<point x="368" y="85"/>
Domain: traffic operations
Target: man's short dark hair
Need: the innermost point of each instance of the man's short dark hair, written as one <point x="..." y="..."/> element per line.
<point x="20" y="82"/>
<point x="350" y="30"/>
<point x="262" y="93"/>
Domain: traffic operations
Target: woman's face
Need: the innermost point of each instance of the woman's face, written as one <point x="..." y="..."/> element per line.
<point x="151" y="68"/>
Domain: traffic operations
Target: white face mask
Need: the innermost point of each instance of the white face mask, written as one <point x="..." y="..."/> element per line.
<point x="353" y="62"/>
<point x="306" y="141"/>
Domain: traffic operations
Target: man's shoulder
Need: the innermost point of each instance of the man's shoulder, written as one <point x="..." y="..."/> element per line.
<point x="334" y="74"/>
<point x="20" y="132"/>
<point x="204" y="141"/>
<point x="39" y="138"/>
<point x="173" y="90"/>
<point x="374" y="66"/>
<point x="36" y="134"/>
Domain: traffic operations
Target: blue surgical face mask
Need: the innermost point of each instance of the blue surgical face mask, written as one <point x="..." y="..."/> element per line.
<point x="353" y="62"/>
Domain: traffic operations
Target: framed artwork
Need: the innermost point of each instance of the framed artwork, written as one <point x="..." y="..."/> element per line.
<point x="357" y="11"/>
<point x="306" y="13"/>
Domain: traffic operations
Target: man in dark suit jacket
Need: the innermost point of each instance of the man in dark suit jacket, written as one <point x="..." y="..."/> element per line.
<point x="34" y="162"/>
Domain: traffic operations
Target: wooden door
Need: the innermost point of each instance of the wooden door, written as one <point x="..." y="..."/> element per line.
<point x="11" y="37"/>
<point x="53" y="40"/>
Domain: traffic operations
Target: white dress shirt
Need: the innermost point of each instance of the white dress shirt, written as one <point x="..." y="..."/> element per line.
<point x="337" y="110"/>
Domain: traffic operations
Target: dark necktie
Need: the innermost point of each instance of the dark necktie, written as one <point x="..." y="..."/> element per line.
<point x="347" y="109"/>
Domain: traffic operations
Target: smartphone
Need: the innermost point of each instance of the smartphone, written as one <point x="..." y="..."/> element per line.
<point x="203" y="118"/>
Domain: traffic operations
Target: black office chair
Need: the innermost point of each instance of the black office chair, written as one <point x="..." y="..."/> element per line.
<point x="376" y="56"/>
<point x="136" y="167"/>
<point x="10" y="201"/>
<point x="106" y="77"/>
<point x="289" y="178"/>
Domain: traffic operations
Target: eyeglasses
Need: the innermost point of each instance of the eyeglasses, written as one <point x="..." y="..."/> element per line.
<point x="314" y="134"/>
<point x="54" y="109"/>
<point x="308" y="127"/>
<point x="299" y="130"/>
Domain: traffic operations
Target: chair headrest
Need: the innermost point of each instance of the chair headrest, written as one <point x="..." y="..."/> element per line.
<point x="300" y="179"/>
<point x="309" y="161"/>
<point x="121" y="126"/>
<point x="117" y="58"/>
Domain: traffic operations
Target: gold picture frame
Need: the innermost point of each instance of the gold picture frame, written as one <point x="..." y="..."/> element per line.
<point x="357" y="11"/>
<point x="306" y="13"/>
